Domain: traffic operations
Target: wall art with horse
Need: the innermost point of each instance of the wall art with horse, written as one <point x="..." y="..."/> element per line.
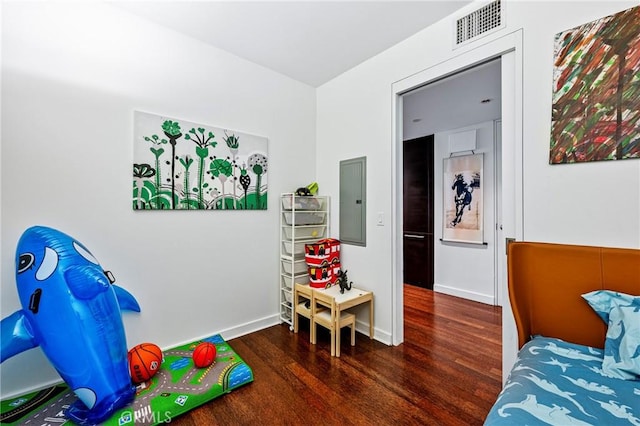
<point x="462" y="199"/>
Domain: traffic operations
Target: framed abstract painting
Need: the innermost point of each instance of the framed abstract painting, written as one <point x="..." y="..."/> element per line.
<point x="596" y="91"/>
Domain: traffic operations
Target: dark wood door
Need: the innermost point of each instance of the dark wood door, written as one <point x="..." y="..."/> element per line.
<point x="418" y="209"/>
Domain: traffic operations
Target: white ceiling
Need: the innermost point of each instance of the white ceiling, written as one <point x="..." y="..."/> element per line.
<point x="309" y="41"/>
<point x="454" y="102"/>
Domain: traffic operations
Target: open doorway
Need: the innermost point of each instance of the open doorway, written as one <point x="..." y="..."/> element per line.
<point x="467" y="103"/>
<point x="509" y="49"/>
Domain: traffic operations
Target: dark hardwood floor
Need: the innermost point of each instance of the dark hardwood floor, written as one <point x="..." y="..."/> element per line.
<point x="447" y="372"/>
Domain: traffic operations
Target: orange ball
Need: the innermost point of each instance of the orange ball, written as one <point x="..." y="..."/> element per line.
<point x="204" y="354"/>
<point x="144" y="361"/>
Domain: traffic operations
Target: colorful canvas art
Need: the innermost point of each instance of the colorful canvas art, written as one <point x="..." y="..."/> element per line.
<point x="180" y="165"/>
<point x="462" y="199"/>
<point x="596" y="91"/>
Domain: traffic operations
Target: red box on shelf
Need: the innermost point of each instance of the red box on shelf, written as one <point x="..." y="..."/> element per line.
<point x="323" y="276"/>
<point x="322" y="253"/>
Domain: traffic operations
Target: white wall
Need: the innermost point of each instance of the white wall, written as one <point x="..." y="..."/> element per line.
<point x="598" y="209"/>
<point x="466" y="270"/>
<point x="580" y="203"/>
<point x="72" y="75"/>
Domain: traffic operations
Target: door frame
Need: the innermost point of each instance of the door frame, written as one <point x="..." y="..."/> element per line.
<point x="510" y="48"/>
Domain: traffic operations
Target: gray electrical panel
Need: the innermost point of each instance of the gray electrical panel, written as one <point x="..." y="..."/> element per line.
<point x="353" y="201"/>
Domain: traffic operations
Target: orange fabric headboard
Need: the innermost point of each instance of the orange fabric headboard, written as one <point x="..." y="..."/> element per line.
<point x="546" y="282"/>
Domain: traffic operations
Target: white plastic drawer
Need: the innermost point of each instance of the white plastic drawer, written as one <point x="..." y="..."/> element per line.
<point x="294" y="268"/>
<point x="304" y="218"/>
<point x="300" y="279"/>
<point x="291" y="249"/>
<point x="302" y="203"/>
<point x="305" y="232"/>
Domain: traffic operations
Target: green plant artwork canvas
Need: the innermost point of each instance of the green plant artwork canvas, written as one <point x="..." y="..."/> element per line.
<point x="596" y="91"/>
<point x="180" y="165"/>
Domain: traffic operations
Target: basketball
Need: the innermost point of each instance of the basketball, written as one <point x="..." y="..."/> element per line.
<point x="144" y="362"/>
<point x="204" y="354"/>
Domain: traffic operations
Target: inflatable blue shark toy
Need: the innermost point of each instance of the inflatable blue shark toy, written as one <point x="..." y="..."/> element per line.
<point x="71" y="309"/>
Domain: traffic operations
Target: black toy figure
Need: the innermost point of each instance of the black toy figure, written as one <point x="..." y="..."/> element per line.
<point x="343" y="281"/>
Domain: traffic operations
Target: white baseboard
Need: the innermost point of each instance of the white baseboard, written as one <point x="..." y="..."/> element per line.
<point x="465" y="294"/>
<point x="238" y="330"/>
<point x="42" y="386"/>
<point x="380" y="336"/>
<point x="250" y="327"/>
<point x="257" y="325"/>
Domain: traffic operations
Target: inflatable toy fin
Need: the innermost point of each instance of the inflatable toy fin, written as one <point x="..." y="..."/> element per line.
<point x="71" y="309"/>
<point x="80" y="414"/>
<point x="126" y="300"/>
<point x="15" y="336"/>
<point x="86" y="281"/>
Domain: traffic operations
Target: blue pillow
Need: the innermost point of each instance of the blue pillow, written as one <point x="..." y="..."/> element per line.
<point x="621" y="313"/>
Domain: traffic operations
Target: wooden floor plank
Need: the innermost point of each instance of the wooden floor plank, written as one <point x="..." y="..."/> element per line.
<point x="447" y="372"/>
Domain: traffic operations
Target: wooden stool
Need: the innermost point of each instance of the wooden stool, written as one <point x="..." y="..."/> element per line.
<point x="323" y="313"/>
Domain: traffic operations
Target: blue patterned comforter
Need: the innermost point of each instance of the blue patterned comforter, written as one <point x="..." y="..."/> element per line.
<point x="558" y="383"/>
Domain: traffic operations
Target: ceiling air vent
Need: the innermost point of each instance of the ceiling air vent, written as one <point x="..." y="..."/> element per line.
<point x="479" y="23"/>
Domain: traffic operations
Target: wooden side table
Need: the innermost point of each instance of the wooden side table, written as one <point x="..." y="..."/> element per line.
<point x="341" y="301"/>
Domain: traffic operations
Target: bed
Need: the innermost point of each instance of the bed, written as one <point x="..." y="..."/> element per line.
<point x="577" y="314"/>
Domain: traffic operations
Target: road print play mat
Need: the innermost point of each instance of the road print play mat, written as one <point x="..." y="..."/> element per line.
<point x="177" y="388"/>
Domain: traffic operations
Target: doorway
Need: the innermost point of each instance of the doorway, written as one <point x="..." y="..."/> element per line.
<point x="452" y="118"/>
<point x="509" y="49"/>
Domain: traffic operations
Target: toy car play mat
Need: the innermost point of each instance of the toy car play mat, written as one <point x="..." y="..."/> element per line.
<point x="175" y="389"/>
